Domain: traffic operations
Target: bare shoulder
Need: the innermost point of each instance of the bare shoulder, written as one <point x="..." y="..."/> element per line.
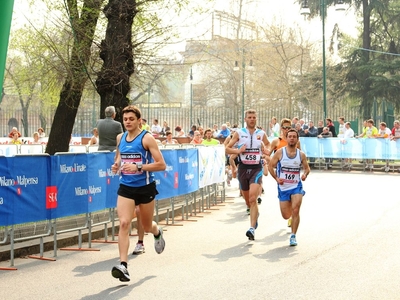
<point x="149" y="141"/>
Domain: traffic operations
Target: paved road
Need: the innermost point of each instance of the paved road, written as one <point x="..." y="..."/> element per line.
<point x="347" y="250"/>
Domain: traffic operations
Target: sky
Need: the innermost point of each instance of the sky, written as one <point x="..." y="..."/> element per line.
<point x="286" y="12"/>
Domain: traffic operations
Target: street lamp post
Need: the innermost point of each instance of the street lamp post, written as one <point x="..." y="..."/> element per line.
<point x="243" y="82"/>
<point x="148" y="101"/>
<point x="322" y="7"/>
<point x="236" y="68"/>
<point x="191" y="96"/>
<point x="305" y="10"/>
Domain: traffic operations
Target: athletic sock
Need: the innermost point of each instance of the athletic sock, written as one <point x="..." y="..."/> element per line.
<point x="140" y="242"/>
<point x="158" y="235"/>
<point x="125" y="264"/>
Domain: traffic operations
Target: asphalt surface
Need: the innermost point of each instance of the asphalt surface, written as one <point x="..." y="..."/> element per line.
<point x="347" y="249"/>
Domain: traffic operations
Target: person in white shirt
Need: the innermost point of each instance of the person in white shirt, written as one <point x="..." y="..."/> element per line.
<point x="155" y="128"/>
<point x="384" y="133"/>
<point x="342" y="128"/>
<point x="348" y="134"/>
<point x="274" y="128"/>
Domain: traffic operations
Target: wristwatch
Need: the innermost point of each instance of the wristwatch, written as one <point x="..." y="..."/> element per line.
<point x="139" y="166"/>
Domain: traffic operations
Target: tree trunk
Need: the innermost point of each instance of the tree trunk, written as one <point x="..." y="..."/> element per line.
<point x="367" y="100"/>
<point x="83" y="26"/>
<point x="117" y="54"/>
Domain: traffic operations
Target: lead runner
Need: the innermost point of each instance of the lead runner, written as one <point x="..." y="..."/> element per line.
<point x="252" y="143"/>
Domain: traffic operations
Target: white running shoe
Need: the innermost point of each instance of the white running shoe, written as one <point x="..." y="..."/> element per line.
<point x="139" y="249"/>
<point x="159" y="243"/>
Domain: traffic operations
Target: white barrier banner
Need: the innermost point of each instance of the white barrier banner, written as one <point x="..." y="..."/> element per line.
<point x="211" y="165"/>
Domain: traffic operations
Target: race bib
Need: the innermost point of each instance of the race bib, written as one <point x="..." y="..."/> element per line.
<point x="251" y="156"/>
<point x="130" y="158"/>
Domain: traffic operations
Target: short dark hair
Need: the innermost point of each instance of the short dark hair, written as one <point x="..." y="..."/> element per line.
<point x="292" y="130"/>
<point x="133" y="109"/>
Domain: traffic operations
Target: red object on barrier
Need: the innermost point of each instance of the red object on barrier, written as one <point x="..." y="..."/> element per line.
<point x="41" y="258"/>
<point x="8" y="269"/>
<point x="79" y="249"/>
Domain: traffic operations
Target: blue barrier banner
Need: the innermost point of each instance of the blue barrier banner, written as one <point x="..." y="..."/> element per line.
<point x="112" y="181"/>
<point x="97" y="181"/>
<point x="23" y="184"/>
<point x="181" y="175"/>
<point x="6" y="192"/>
<point x="373" y="148"/>
<point x="211" y="165"/>
<point x="394" y="149"/>
<point x="188" y="171"/>
<point x="71" y="181"/>
<point x="168" y="181"/>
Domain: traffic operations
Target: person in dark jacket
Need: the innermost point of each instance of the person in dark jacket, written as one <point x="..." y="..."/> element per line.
<point x="311" y="131"/>
<point x="108" y="130"/>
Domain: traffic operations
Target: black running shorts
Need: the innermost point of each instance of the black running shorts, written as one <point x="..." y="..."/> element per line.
<point x="141" y="195"/>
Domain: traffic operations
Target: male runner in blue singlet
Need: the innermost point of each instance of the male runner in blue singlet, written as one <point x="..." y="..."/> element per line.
<point x="136" y="158"/>
<point x="288" y="162"/>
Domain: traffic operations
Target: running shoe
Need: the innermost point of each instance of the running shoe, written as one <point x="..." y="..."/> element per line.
<point x="250" y="234"/>
<point x="121" y="273"/>
<point x="293" y="241"/>
<point x="262" y="191"/>
<point x="159" y="243"/>
<point x="289" y="222"/>
<point x="139" y="249"/>
<point x="259" y="200"/>
<point x="248" y="211"/>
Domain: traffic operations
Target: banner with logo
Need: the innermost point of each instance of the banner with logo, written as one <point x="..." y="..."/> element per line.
<point x="211" y="165"/>
<point x="112" y="181"/>
<point x="70" y="175"/>
<point x="23" y="184"/>
<point x="363" y="148"/>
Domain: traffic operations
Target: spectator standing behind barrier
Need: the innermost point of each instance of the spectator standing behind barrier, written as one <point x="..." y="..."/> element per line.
<point x="370" y="131"/>
<point x="145" y="126"/>
<point x="342" y="127"/>
<point x="197" y="139"/>
<point x="36" y="140"/>
<point x="108" y="130"/>
<point x="299" y="130"/>
<point x="15" y="139"/>
<point x="136" y="158"/>
<point x="274" y="128"/>
<point x="11" y="134"/>
<point x="156" y="128"/>
<point x="348" y="134"/>
<point x="179" y="132"/>
<point x="41" y="132"/>
<point x="201" y="130"/>
<point x="94" y="140"/>
<point x="215" y="131"/>
<point x="165" y="128"/>
<point x="169" y="139"/>
<point x="396" y="133"/>
<point x="384" y="133"/>
<point x="332" y="129"/>
<point x="320" y="127"/>
<point x="295" y="120"/>
<point x="396" y="130"/>
<point x="192" y="130"/>
<point x="311" y="131"/>
<point x="326" y="134"/>
<point x="208" y="140"/>
<point x="303" y="124"/>
<point x="225" y="132"/>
